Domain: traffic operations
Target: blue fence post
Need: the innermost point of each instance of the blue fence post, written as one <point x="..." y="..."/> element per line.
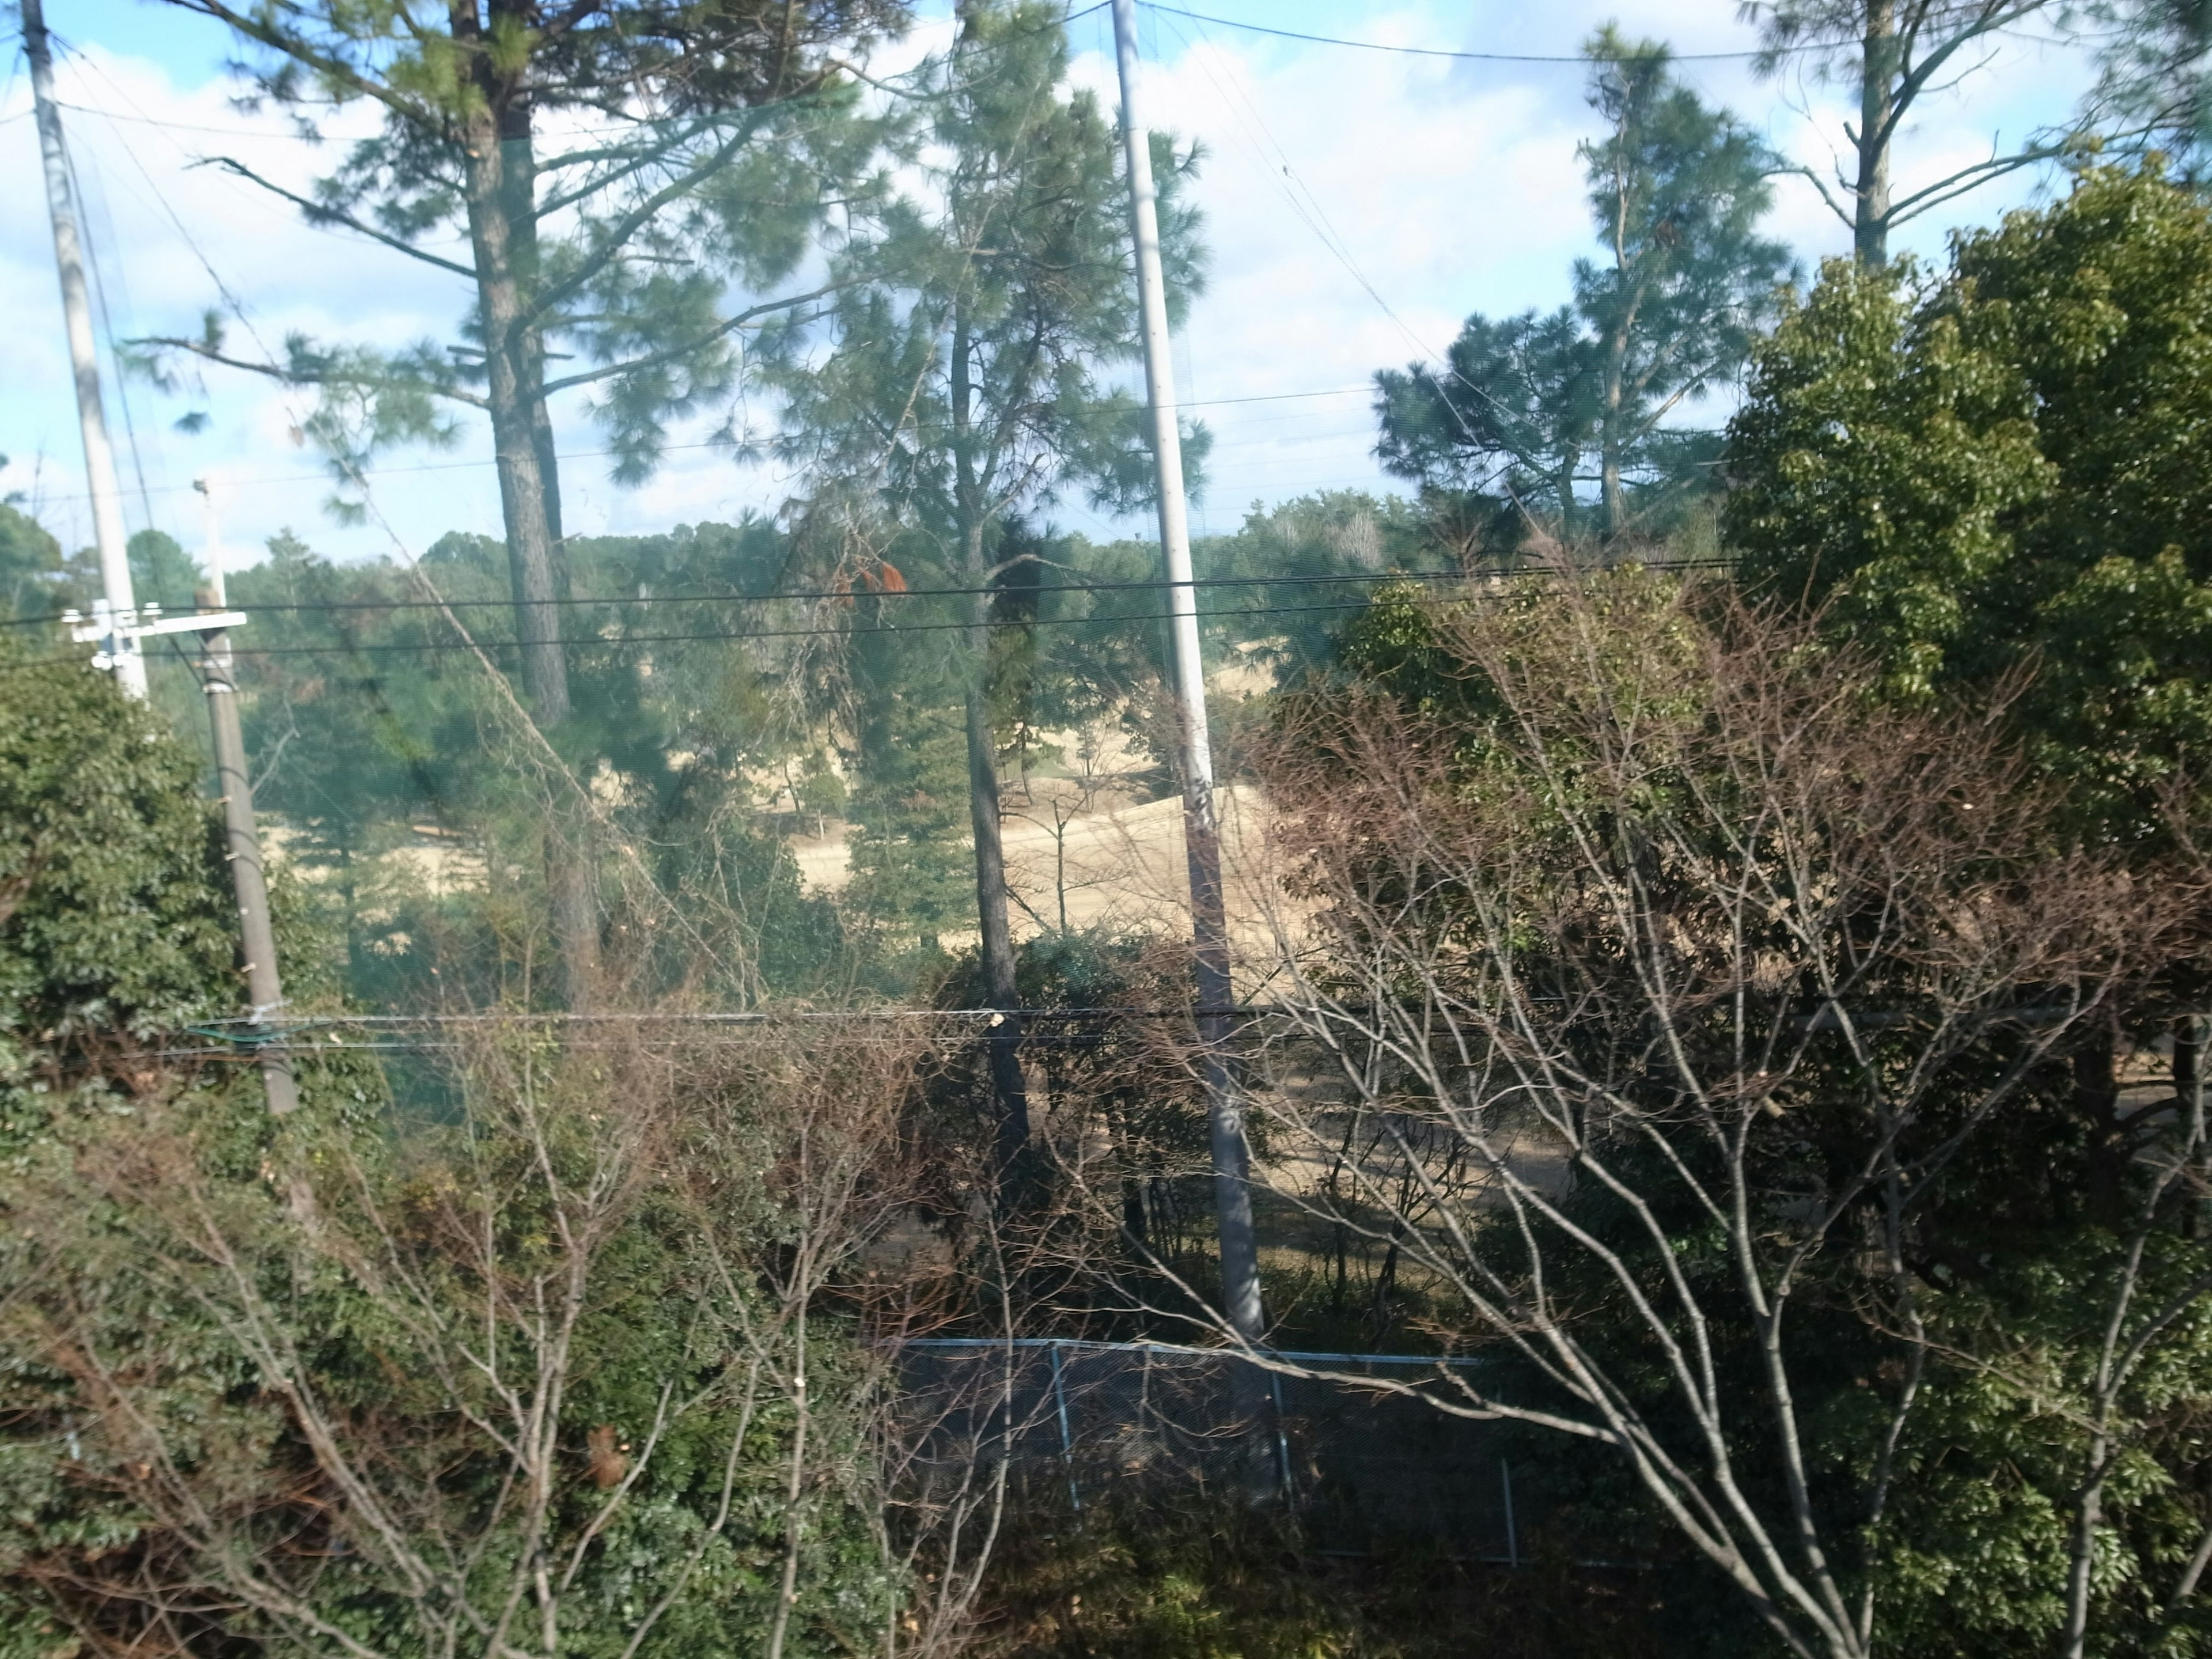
<point x="1067" y="1440"/>
<point x="1512" y="1534"/>
<point x="1282" y="1441"/>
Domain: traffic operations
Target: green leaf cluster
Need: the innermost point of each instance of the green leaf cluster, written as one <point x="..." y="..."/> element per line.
<point x="1994" y="477"/>
<point x="116" y="925"/>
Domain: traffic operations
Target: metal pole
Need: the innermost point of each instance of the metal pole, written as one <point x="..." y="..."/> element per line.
<point x="1232" y="1185"/>
<point x="1282" y="1441"/>
<point x="243" y="848"/>
<point x="1512" y="1531"/>
<point x="121" y="649"/>
<point x="1067" y="1440"/>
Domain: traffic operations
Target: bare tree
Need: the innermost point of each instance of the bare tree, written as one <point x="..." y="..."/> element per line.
<point x="1639" y="978"/>
<point x="1895" y="51"/>
<point x="2145" y="1309"/>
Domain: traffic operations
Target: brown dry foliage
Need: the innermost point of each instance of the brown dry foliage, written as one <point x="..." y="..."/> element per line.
<point x="1640" y="975"/>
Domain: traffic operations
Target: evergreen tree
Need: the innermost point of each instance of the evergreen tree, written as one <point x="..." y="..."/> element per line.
<point x="1994" y="478"/>
<point x="1677" y="191"/>
<point x="965" y="386"/>
<point x="1515" y="407"/>
<point x="633" y="183"/>
<point x="1540" y="405"/>
<point x="1892" y="52"/>
<point x="32" y="582"/>
<point x="116" y="926"/>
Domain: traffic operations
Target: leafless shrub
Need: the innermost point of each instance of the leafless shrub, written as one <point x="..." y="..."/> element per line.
<point x="1639" y="978"/>
<point x="596" y="1355"/>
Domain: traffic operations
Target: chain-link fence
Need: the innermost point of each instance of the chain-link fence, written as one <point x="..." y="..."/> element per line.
<point x="1078" y="1423"/>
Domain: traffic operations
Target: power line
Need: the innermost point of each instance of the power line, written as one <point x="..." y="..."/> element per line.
<point x="434" y="646"/>
<point x="1139" y="584"/>
<point x="1471" y="56"/>
<point x="724" y="635"/>
<point x="1147" y="584"/>
<point x="349" y="648"/>
<point x="675" y="448"/>
<point x="1324" y="230"/>
<point x="625" y="640"/>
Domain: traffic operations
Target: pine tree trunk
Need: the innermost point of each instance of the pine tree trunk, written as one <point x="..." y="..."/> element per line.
<point x="1009" y="1089"/>
<point x="518" y="199"/>
<point x="500" y="185"/>
<point x="500" y="180"/>
<point x="1613" y="412"/>
<point x="1870" y="209"/>
<point x="530" y="548"/>
<point x="1611" y="439"/>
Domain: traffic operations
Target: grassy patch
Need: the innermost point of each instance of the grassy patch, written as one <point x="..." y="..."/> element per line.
<point x="1217" y="1579"/>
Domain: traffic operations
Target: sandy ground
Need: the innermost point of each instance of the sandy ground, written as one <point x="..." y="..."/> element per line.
<point x="1119" y="866"/>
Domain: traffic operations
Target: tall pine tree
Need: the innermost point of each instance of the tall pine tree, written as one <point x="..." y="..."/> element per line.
<point x="970" y="379"/>
<point x="1540" y="406"/>
<point x="633" y="184"/>
<point x="1890" y="53"/>
<point x="1677" y="190"/>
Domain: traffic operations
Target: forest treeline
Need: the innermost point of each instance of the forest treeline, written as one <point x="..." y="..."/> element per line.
<point x="1727" y="952"/>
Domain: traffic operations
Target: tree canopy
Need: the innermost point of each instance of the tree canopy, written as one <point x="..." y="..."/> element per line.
<point x="1993" y="474"/>
<point x="1531" y="404"/>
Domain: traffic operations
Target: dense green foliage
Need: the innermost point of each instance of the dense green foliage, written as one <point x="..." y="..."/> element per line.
<point x="1995" y="479"/>
<point x="1991" y="478"/>
<point x="30" y="564"/>
<point x="116" y="929"/>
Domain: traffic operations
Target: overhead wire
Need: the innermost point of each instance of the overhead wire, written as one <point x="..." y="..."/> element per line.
<point x="357" y="648"/>
<point x="102" y="223"/>
<point x="1147" y="584"/>
<point x="1579" y="58"/>
<point x="725" y="635"/>
<point x="323" y="477"/>
<point x="1310" y="213"/>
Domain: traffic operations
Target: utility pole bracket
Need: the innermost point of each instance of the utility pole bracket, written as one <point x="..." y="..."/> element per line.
<point x="106" y="624"/>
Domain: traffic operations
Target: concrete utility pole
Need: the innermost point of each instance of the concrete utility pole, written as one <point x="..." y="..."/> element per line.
<point x="1232" y="1184"/>
<point x="121" y="651"/>
<point x="242" y="847"/>
<point x="249" y="875"/>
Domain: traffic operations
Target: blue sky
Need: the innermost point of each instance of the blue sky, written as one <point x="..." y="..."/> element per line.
<point x="1359" y="203"/>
